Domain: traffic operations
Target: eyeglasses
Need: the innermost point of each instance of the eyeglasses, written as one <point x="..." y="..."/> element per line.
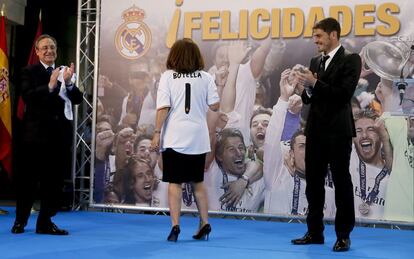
<point x="45" y="48"/>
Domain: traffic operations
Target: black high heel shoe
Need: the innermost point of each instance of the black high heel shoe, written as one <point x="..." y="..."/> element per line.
<point x="173" y="236"/>
<point x="203" y="233"/>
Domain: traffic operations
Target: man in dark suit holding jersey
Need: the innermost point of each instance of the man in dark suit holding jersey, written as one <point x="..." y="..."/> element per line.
<point x="327" y="87"/>
<point x="49" y="92"/>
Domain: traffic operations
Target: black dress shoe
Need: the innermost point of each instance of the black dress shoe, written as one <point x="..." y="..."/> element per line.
<point x="51" y="229"/>
<point x="342" y="245"/>
<point x="308" y="239"/>
<point x="173" y="236"/>
<point x="17" y="228"/>
<point x="203" y="233"/>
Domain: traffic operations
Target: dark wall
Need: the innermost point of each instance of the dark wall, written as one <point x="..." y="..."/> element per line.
<point x="59" y="19"/>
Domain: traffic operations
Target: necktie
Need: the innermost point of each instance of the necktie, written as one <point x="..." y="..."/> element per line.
<point x="323" y="61"/>
<point x="49" y="70"/>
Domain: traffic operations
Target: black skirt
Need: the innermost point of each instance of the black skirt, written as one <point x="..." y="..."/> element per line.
<point x="182" y="168"/>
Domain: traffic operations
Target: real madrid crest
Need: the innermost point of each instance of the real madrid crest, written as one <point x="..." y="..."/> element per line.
<point x="133" y="37"/>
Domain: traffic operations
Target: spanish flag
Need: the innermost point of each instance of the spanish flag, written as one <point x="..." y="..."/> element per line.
<point x="33" y="59"/>
<point x="5" y="107"/>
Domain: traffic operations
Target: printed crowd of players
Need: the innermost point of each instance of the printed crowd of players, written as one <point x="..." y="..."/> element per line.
<point x="257" y="139"/>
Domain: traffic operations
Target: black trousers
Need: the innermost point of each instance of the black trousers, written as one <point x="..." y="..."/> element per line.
<point x="42" y="172"/>
<point x="336" y="152"/>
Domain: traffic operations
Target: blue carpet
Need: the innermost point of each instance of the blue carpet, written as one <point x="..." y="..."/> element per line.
<point x="114" y="235"/>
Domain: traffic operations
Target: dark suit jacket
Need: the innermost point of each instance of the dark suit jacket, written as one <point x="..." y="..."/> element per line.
<point x="330" y="112"/>
<point x="44" y="119"/>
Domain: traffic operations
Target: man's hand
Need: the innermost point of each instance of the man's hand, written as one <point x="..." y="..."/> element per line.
<point x="235" y="190"/>
<point x="222" y="120"/>
<point x="221" y="75"/>
<point x="286" y="88"/>
<point x="260" y="153"/>
<point x="155" y="143"/>
<point x="306" y="78"/>
<point x="295" y="104"/>
<point x="126" y="134"/>
<point x="124" y="147"/>
<point x="104" y="140"/>
<point x="67" y="74"/>
<point x="53" y="79"/>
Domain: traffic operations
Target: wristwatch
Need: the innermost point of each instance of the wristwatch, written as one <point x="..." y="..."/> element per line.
<point x="245" y="177"/>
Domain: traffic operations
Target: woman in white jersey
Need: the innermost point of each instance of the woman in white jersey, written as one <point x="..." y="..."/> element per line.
<point x="185" y="93"/>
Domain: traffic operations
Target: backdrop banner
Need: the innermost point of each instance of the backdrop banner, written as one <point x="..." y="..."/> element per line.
<point x="265" y="173"/>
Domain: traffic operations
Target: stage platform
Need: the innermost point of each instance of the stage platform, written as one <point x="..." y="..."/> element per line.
<point x="121" y="235"/>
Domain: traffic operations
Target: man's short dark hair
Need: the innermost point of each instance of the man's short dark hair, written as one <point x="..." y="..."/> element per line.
<point x="329" y="25"/>
<point x="367" y="114"/>
<point x="44" y="36"/>
<point x="260" y="110"/>
<point x="222" y="138"/>
<point x="299" y="132"/>
<point x="130" y="179"/>
<point x="139" y="139"/>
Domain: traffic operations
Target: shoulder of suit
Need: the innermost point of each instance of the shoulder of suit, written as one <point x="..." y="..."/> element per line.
<point x="349" y="53"/>
<point x="37" y="66"/>
<point x="354" y="57"/>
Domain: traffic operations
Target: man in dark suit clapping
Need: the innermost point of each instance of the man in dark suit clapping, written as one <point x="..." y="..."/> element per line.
<point x="48" y="91"/>
<point x="327" y="87"/>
